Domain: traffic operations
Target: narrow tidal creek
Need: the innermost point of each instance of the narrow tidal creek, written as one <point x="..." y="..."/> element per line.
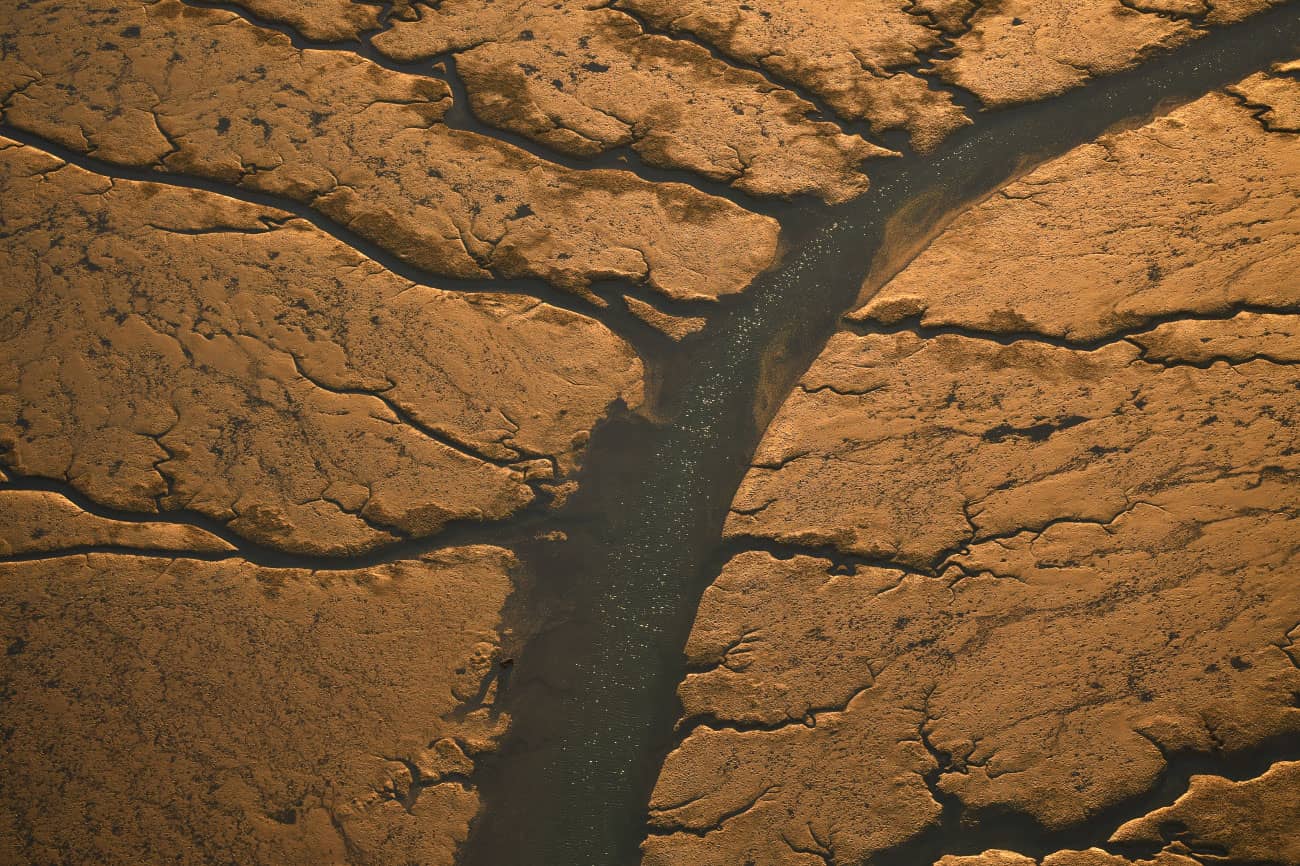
<point x="602" y="620"/>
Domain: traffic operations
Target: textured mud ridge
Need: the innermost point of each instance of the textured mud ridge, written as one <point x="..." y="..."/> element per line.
<point x="379" y="380"/>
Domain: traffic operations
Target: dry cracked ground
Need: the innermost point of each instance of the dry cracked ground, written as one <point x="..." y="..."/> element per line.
<point x="314" y="312"/>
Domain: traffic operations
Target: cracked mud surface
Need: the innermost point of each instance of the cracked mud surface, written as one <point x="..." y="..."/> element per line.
<point x="1011" y="559"/>
<point x="1032" y="260"/>
<point x="1217" y="820"/>
<point x="392" y="390"/>
<point x="362" y="145"/>
<point x="341" y="723"/>
<point x="172" y="349"/>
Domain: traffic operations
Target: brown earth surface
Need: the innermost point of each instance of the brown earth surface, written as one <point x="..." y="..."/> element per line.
<point x="322" y="20"/>
<point x="859" y="58"/>
<point x="1022" y="50"/>
<point x="560" y="73"/>
<point x="299" y="300"/>
<point x="972" y="440"/>
<point x="167" y="348"/>
<point x="996" y="567"/>
<point x="1086" y="857"/>
<point x="40" y="521"/>
<point x="675" y="327"/>
<point x="199" y="91"/>
<point x="176" y="711"/>
<point x="1255" y="820"/>
<point x="1015" y="51"/>
<point x="555" y="72"/>
<point x="1217" y="820"/>
<point x="1032" y="259"/>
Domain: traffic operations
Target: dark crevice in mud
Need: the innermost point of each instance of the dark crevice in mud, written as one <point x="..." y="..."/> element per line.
<point x="820" y="109"/>
<point x="963" y="832"/>
<point x="1259" y="110"/>
<point x="624" y="158"/>
<point x="523" y="526"/>
<point x="1198" y="20"/>
<point x="1147" y="324"/>
<point x="710" y="721"/>
<point x="946" y="49"/>
<point x="431" y="430"/>
<point x="419" y="783"/>
<point x="613" y="315"/>
<point x="461" y="116"/>
<point x="360" y="46"/>
<point x="1207" y="363"/>
<point x="894" y="137"/>
<point x="718" y="823"/>
<point x="837" y="561"/>
<point x="598" y="631"/>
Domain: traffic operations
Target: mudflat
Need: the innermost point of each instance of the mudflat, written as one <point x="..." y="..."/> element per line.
<point x="782" y="433"/>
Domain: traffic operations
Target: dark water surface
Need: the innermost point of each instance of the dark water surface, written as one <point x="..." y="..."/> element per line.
<point x="606" y="613"/>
